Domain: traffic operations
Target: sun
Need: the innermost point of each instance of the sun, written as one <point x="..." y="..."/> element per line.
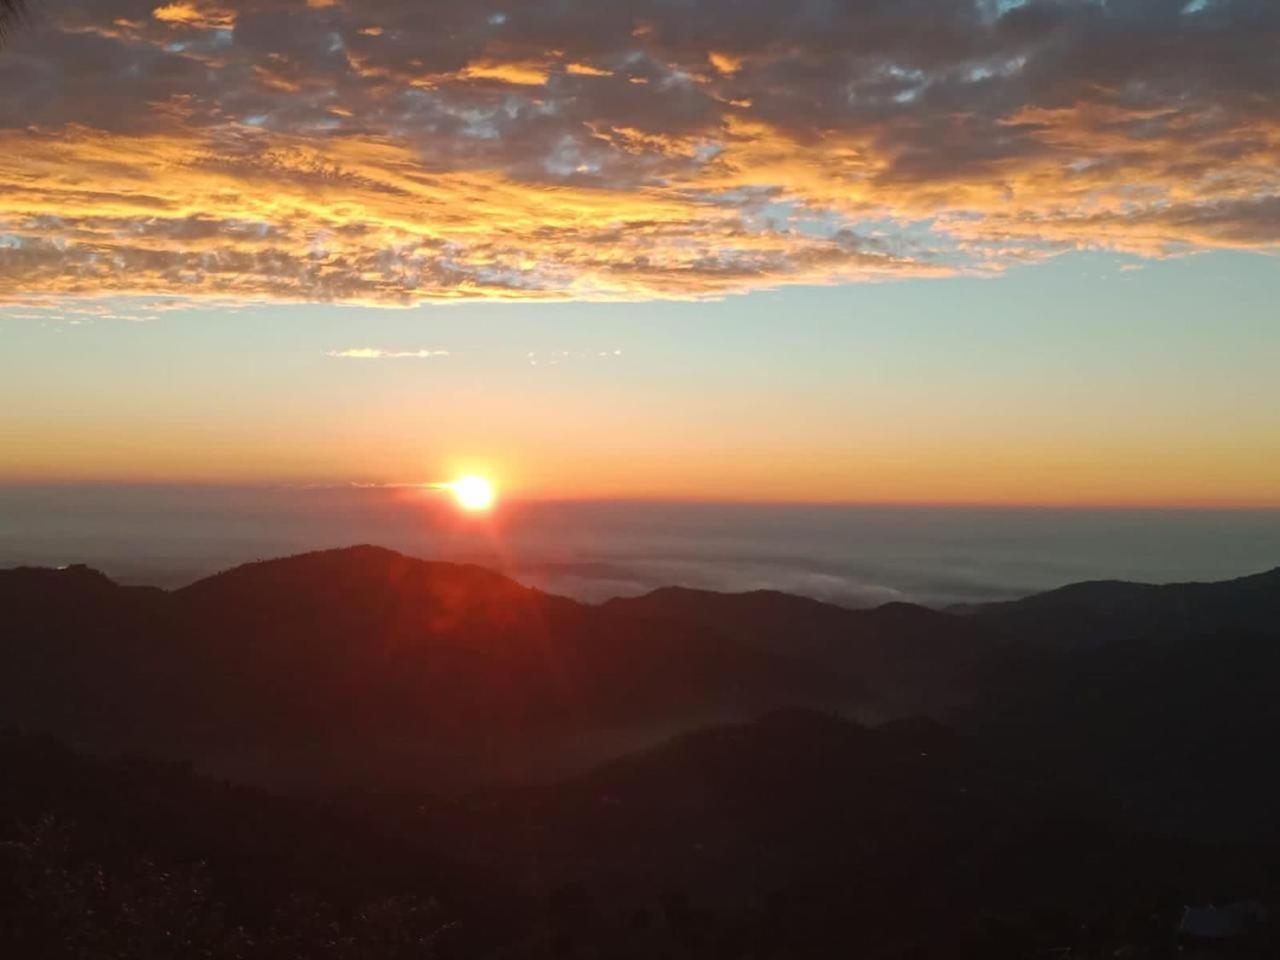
<point x="472" y="493"/>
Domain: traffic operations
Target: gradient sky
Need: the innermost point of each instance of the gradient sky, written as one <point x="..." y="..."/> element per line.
<point x="944" y="251"/>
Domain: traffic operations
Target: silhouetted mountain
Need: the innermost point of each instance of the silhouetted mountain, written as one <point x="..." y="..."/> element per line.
<point x="354" y="663"/>
<point x="139" y="859"/>
<point x="1105" y="611"/>
<point x="901" y="659"/>
<point x="362" y="668"/>
<point x="1092" y="734"/>
<point x="799" y="835"/>
<point x="805" y="835"/>
<point x="1160" y="697"/>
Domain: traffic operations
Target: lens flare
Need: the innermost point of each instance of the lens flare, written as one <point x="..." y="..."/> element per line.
<point x="472" y="493"/>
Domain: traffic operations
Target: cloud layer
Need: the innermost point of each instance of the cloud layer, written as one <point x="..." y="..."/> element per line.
<point x="391" y="152"/>
<point x="378" y="353"/>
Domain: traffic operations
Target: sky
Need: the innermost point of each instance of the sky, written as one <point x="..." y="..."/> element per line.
<point x="921" y="251"/>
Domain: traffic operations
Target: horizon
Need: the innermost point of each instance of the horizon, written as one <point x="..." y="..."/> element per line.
<point x="857" y="555"/>
<point x="515" y="501"/>
<point x="354" y="547"/>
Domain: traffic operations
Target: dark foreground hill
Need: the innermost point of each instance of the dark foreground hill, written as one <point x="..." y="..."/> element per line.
<point x="799" y="835"/>
<point x="805" y="835"/>
<point x="145" y="860"/>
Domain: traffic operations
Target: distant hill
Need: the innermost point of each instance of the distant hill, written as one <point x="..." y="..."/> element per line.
<point x="902" y="659"/>
<point x="1163" y="697"/>
<point x="363" y="664"/>
<point x="362" y="668"/>
<point x="1100" y="612"/>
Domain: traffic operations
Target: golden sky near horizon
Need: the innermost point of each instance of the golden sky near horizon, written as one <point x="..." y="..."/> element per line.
<point x="201" y="164"/>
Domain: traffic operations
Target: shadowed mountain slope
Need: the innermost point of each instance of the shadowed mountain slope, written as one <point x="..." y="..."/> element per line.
<point x="799" y="835"/>
<point x="1100" y="612"/>
<point x="362" y="660"/>
<point x="1160" y="697"/>
<point x="140" y="859"/>
<point x="802" y="834"/>
<point x="901" y="658"/>
<point x="363" y="667"/>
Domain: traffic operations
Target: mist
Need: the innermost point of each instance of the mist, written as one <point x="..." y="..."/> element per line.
<point x="855" y="556"/>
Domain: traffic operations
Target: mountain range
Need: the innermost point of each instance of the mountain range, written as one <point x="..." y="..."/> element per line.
<point x="361" y="666"/>
<point x="684" y="774"/>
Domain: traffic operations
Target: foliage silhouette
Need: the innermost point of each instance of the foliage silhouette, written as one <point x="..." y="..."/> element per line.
<point x="11" y="13"/>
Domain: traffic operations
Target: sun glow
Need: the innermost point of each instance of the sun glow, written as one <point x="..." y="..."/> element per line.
<point x="472" y="493"/>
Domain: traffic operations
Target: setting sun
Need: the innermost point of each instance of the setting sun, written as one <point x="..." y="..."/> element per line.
<point x="472" y="493"/>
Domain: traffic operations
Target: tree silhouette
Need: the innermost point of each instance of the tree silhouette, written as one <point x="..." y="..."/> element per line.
<point x="11" y="11"/>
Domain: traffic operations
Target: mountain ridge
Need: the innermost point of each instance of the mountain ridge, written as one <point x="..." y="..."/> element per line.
<point x="366" y="666"/>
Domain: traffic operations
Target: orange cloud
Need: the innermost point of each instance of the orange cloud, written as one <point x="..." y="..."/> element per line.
<point x="377" y="353"/>
<point x="381" y="155"/>
<point x="726" y="63"/>
<point x="522" y="73"/>
<point x="587" y="70"/>
<point x="201" y="16"/>
<point x="260" y="214"/>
